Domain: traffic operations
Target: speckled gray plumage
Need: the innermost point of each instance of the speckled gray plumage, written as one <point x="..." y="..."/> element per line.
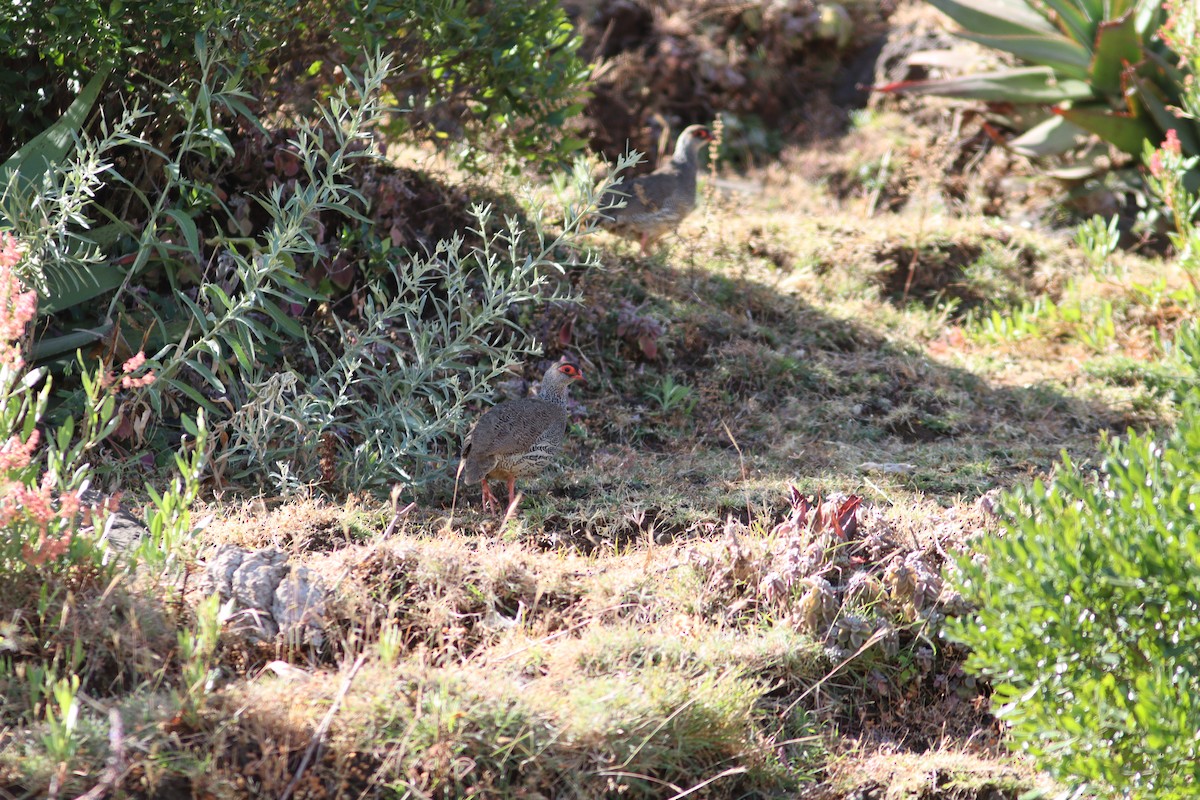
<point x="519" y="438"/>
<point x="655" y="204"/>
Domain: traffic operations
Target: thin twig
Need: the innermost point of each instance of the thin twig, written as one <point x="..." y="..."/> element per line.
<point x="116" y="759"/>
<point x="745" y="476"/>
<point x="702" y="784"/>
<point x="462" y="464"/>
<point x="617" y="773"/>
<point x="774" y="746"/>
<point x="918" y="238"/>
<point x="658" y="728"/>
<point x="875" y="637"/>
<point x="598" y="52"/>
<point x="401" y="514"/>
<point x="563" y="632"/>
<point x="323" y="728"/>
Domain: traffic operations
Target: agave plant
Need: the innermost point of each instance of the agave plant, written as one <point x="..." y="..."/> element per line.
<point x="1094" y="66"/>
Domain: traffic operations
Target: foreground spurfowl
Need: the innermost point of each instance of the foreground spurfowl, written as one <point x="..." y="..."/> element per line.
<point x="519" y="438"/>
<point x="656" y="203"/>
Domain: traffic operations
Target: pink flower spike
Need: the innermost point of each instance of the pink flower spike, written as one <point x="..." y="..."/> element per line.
<point x="1171" y="143"/>
<point x="15" y="454"/>
<point x="10" y="250"/>
<point x="137" y="383"/>
<point x="134" y="362"/>
<point x="68" y="505"/>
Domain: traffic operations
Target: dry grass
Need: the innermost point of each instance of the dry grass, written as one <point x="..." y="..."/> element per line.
<point x="942" y="773"/>
<point x="622" y="634"/>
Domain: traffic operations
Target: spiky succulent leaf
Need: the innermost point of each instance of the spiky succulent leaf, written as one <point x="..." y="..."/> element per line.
<point x="1148" y="17"/>
<point x="1025" y="85"/>
<point x="1100" y="62"/>
<point x="1073" y="19"/>
<point x="1117" y="46"/>
<point x="1155" y="101"/>
<point x="1053" y="50"/>
<point x="1051" y="137"/>
<point x="1123" y="130"/>
<point x="996" y="17"/>
<point x="25" y="167"/>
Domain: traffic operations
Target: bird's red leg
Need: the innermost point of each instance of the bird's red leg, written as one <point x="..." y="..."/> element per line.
<point x="489" y="499"/>
<point x="512" y="490"/>
<point x="645" y="242"/>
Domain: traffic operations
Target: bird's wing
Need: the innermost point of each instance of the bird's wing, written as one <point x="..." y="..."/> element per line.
<point x="646" y="194"/>
<point x="528" y="420"/>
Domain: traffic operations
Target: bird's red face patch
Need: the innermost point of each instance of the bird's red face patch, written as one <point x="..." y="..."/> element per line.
<point x="570" y="371"/>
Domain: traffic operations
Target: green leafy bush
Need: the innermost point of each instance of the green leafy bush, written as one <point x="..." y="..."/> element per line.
<point x="1090" y="600"/>
<point x="1090" y="614"/>
<point x="504" y="75"/>
<point x="432" y="348"/>
<point x="181" y="226"/>
<point x="48" y="48"/>
<point x="218" y="297"/>
<point x="206" y="332"/>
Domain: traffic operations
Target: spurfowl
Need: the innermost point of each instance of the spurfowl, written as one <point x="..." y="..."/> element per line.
<point x="519" y="438"/>
<point x="656" y="203"/>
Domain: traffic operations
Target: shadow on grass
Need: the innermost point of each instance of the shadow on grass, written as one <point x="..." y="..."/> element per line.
<point x="710" y="390"/>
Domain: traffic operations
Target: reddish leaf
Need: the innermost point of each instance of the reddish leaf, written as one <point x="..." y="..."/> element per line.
<point x="847" y="516"/>
<point x="124" y="430"/>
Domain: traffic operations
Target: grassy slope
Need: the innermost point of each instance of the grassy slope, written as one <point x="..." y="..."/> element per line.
<point x="614" y="638"/>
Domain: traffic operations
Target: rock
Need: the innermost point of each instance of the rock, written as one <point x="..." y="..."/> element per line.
<point x="220" y="569"/>
<point x="299" y="606"/>
<point x="257" y="577"/>
<point x="122" y="532"/>
<point x="270" y="596"/>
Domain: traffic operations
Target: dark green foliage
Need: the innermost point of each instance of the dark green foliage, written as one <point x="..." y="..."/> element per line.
<point x="505" y="75"/>
<point x="1090" y="615"/>
<point x="46" y="49"/>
